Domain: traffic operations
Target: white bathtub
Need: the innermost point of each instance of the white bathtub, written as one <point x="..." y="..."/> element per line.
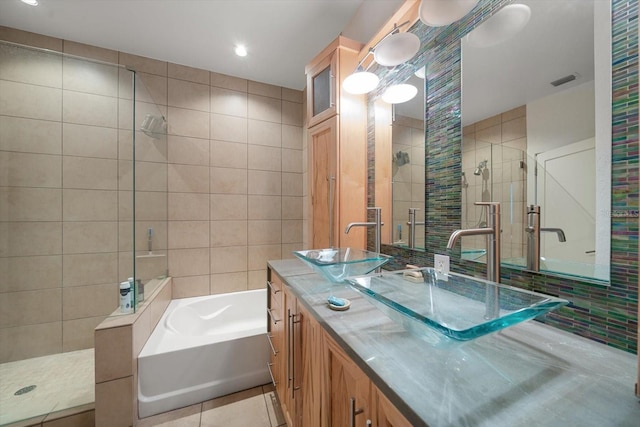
<point x="202" y="348"/>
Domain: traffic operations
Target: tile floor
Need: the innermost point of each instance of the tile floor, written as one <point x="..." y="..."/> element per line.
<point x="64" y="380"/>
<point x="256" y="407"/>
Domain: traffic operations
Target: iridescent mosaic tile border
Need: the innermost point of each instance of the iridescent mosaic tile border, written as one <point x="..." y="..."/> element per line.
<point x="605" y="314"/>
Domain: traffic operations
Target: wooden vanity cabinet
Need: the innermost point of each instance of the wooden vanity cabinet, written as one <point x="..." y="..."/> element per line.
<point x="352" y="399"/>
<point x="348" y="400"/>
<point x="316" y="382"/>
<point x="337" y="147"/>
<point x="296" y="340"/>
<point x="386" y="414"/>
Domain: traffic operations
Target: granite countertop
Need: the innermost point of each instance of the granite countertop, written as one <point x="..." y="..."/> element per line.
<point x="530" y="374"/>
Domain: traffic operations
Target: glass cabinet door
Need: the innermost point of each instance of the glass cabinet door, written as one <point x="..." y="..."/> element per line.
<point x="321" y="96"/>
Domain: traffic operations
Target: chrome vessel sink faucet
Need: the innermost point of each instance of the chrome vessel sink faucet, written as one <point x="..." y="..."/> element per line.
<point x="412" y="223"/>
<point x="533" y="237"/>
<point x="377" y="223"/>
<point x="492" y="231"/>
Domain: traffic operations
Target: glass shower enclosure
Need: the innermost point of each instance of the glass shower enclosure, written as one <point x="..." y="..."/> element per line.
<point x="83" y="206"/>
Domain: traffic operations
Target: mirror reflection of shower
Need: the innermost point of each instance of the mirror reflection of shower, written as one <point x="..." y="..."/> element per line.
<point x="482" y="170"/>
<point x="400" y="159"/>
<point x="154" y="126"/>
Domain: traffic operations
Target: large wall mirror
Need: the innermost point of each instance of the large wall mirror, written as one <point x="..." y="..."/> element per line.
<point x="536" y="130"/>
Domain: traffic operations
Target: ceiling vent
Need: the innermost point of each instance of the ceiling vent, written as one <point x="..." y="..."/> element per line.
<point x="565" y="79"/>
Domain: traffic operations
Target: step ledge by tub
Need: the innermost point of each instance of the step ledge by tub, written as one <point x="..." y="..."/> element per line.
<point x="117" y="319"/>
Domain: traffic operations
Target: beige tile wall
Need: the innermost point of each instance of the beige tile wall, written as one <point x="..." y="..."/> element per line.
<point x="223" y="191"/>
<point x="502" y="140"/>
<point x="235" y="146"/>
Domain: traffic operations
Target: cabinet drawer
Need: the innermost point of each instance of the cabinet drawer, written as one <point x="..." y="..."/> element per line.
<point x="275" y="291"/>
<point x="275" y="371"/>
<point x="274" y="337"/>
<point x="274" y="318"/>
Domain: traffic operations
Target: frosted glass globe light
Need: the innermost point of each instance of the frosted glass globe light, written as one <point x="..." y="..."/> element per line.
<point x="503" y="25"/>
<point x="396" y="49"/>
<point x="397" y="94"/>
<point x="438" y="13"/>
<point x="360" y="82"/>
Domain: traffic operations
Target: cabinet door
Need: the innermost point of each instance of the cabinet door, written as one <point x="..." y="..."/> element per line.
<point x="290" y="395"/>
<point x="322" y="101"/>
<point x="311" y="369"/>
<point x="387" y="415"/>
<point x="349" y="390"/>
<point x="324" y="184"/>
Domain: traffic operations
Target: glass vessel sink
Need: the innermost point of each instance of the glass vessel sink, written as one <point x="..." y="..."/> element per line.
<point x="339" y="263"/>
<point x="459" y="307"/>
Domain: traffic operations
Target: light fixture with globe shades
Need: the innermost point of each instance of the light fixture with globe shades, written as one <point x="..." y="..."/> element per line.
<point x="393" y="49"/>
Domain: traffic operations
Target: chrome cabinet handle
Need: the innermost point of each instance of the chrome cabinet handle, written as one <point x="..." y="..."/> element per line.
<point x="353" y="412"/>
<point x="273" y="319"/>
<point x="292" y="351"/>
<point x="269" y="365"/>
<point x="331" y="89"/>
<point x="331" y="180"/>
<point x="289" y="347"/>
<point x="273" y="349"/>
<point x="274" y="290"/>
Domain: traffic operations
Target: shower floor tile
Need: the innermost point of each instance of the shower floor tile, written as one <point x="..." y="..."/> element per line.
<point x="62" y="381"/>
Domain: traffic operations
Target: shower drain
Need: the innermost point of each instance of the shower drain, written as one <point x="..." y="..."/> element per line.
<point x="24" y="390"/>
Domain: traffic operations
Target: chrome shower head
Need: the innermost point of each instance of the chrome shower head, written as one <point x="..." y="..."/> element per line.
<point x="154" y="126"/>
<point x="481" y="165"/>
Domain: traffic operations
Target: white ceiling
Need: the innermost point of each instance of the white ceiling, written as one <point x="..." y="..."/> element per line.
<point x="281" y="36"/>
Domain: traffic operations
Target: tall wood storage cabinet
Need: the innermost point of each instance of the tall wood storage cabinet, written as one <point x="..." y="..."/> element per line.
<point x="337" y="149"/>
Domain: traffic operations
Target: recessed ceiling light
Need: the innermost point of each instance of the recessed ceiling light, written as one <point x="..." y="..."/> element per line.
<point x="30" y="2"/>
<point x="241" y="50"/>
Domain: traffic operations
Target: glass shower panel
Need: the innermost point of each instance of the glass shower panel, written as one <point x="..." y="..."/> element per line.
<point x="64" y="212"/>
<point x="478" y="171"/>
<point x="408" y="178"/>
<point x="150" y="189"/>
